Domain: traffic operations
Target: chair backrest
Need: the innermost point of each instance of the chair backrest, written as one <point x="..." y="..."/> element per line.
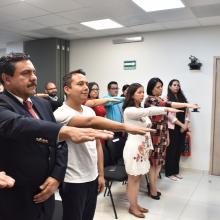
<point x="106" y="155"/>
<point x="115" y="149"/>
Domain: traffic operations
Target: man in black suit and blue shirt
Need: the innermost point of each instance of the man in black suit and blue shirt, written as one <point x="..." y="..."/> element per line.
<point x="29" y="152"/>
<point x="51" y="90"/>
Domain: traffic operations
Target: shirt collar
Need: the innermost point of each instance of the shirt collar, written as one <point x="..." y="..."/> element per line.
<point x="19" y="98"/>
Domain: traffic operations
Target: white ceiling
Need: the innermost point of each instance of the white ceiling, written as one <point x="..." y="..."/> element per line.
<point x="34" y="19"/>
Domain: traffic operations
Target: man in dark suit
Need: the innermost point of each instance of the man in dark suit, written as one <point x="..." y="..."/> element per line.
<point x="29" y="152"/>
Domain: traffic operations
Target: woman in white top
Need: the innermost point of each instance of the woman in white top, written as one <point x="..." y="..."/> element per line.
<point x="137" y="147"/>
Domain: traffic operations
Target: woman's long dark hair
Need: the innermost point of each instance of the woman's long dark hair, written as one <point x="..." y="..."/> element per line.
<point x="123" y="89"/>
<point x="129" y="101"/>
<point x="180" y="97"/>
<point x="90" y="85"/>
<point x="151" y="84"/>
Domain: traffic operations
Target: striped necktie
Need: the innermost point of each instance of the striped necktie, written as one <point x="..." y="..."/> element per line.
<point x="28" y="106"/>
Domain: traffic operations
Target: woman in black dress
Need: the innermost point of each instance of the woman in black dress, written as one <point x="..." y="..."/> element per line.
<point x="178" y="125"/>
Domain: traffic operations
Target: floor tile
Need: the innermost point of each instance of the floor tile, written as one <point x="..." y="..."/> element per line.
<point x="196" y="197"/>
<point x="200" y="211"/>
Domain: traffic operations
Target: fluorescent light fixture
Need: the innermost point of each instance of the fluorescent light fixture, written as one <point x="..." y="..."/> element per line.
<point x="127" y="40"/>
<point x="102" y="24"/>
<point x="158" y="5"/>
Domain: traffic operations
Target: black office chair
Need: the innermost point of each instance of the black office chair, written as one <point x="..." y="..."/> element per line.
<point x="114" y="169"/>
<point x="113" y="150"/>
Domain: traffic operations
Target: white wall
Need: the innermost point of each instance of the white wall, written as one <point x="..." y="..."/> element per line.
<point x="165" y="55"/>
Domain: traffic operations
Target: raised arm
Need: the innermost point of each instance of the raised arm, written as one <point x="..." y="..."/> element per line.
<point x="136" y="113"/>
<point x="79" y="135"/>
<point x="119" y="99"/>
<point x="157" y="102"/>
<point x="183" y="105"/>
<point x="102" y="101"/>
<point x="103" y="123"/>
<point x="17" y="126"/>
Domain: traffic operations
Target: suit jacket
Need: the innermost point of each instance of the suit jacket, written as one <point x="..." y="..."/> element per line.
<point x="54" y="104"/>
<point x="28" y="152"/>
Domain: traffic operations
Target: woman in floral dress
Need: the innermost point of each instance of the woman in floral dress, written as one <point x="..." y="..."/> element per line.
<point x="160" y="138"/>
<point x="137" y="147"/>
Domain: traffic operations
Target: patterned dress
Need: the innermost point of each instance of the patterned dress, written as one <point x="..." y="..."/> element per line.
<point x="160" y="138"/>
<point x="137" y="147"/>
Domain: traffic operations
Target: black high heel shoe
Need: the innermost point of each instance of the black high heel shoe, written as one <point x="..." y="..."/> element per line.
<point x="149" y="194"/>
<point x="157" y="197"/>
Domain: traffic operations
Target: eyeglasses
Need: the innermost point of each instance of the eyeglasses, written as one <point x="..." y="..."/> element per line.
<point x="95" y="89"/>
<point x="114" y="88"/>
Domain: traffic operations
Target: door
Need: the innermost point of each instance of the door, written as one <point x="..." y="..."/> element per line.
<point x="215" y="152"/>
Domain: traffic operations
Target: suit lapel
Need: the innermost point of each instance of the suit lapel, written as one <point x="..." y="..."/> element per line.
<point x="15" y="104"/>
<point x="38" y="108"/>
<point x="13" y="98"/>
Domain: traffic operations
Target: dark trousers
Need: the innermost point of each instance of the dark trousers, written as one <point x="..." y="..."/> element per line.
<point x="17" y="204"/>
<point x="120" y="135"/>
<point x="79" y="200"/>
<point x="173" y="151"/>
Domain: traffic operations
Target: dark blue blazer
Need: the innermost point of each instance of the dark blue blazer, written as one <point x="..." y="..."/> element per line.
<point x="28" y="146"/>
<point x="54" y="104"/>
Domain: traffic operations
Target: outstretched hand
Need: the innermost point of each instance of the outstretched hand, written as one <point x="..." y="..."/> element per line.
<point x="137" y="130"/>
<point x="6" y="181"/>
<point x="79" y="135"/>
<point x="195" y="106"/>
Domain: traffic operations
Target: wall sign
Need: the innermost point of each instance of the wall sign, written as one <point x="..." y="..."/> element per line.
<point x="130" y="65"/>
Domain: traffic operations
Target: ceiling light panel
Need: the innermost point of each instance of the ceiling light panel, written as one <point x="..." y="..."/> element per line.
<point x="102" y="24"/>
<point x="158" y="5"/>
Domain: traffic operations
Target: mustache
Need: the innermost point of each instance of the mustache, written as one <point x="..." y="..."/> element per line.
<point x="32" y="84"/>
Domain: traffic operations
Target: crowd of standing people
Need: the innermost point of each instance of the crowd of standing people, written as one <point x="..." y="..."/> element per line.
<point x="47" y="143"/>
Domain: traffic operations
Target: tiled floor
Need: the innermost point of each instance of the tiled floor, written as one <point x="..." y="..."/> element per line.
<point x="196" y="197"/>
